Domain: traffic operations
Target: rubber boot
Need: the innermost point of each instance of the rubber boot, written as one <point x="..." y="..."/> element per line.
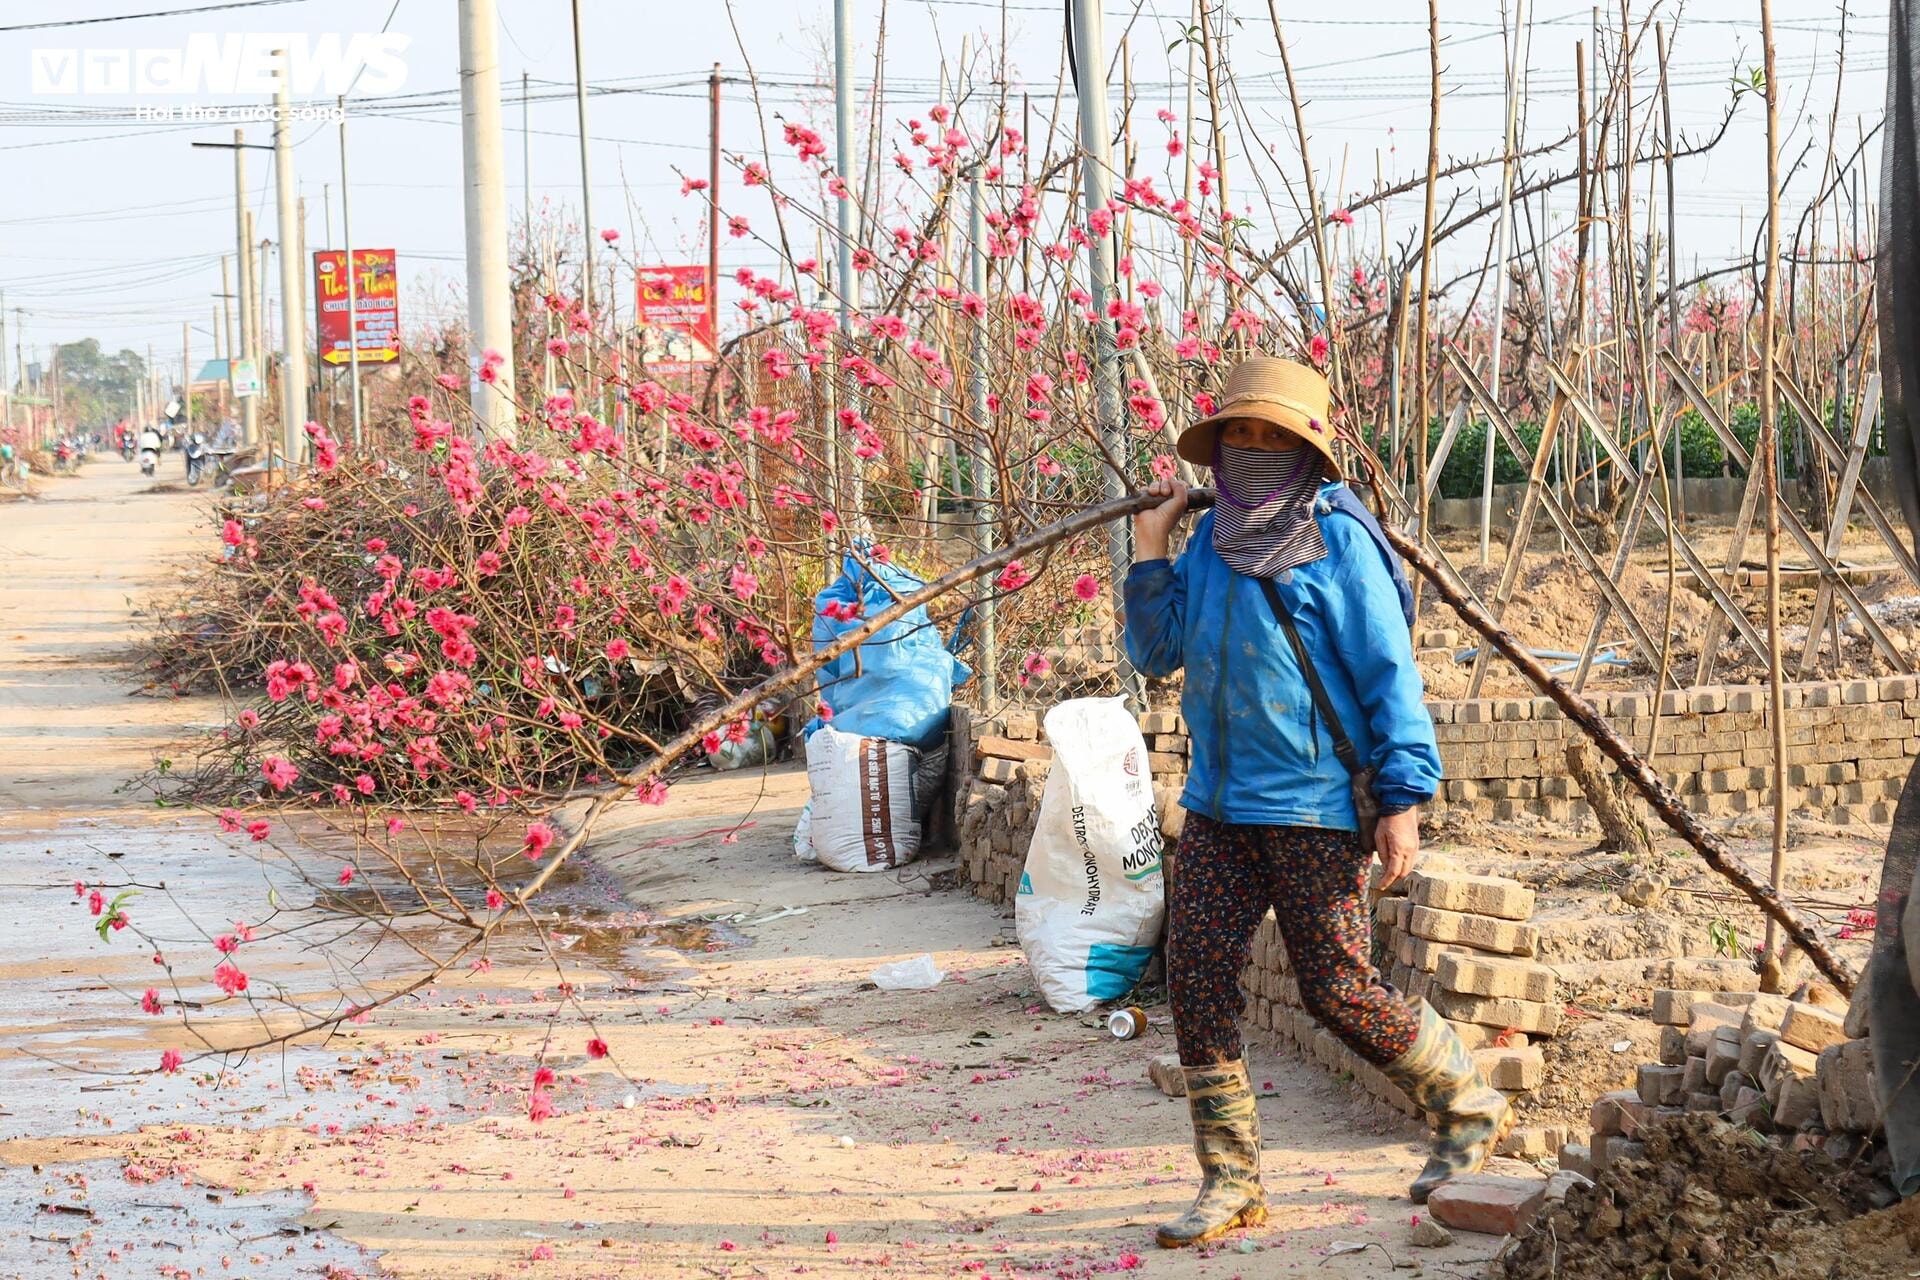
<point x="1226" y="1137"/>
<point x="1469" y="1116"/>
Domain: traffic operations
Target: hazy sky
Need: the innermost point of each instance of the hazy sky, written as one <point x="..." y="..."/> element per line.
<point x="114" y="226"/>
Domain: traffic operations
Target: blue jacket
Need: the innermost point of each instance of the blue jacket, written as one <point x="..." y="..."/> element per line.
<point x="1261" y="754"/>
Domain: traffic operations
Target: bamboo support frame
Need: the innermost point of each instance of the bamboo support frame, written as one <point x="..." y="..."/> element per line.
<point x="1760" y="489"/>
<point x="1637" y="771"/>
<point x="1728" y="610"/>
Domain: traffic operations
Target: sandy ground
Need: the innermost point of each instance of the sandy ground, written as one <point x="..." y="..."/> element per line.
<point x="763" y="1110"/>
<point x="1554" y="601"/>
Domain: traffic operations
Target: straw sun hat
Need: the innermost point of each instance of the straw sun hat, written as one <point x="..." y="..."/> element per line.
<point x="1273" y="390"/>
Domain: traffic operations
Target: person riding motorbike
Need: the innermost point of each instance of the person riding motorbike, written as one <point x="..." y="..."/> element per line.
<point x="149" y="450"/>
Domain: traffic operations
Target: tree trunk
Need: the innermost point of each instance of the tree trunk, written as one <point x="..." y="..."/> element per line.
<point x="1620" y="827"/>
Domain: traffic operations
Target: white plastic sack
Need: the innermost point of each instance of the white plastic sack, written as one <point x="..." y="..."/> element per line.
<point x="803" y="835"/>
<point x="755" y="749"/>
<point x="917" y="974"/>
<point x="1091" y="904"/>
<point x="862" y="801"/>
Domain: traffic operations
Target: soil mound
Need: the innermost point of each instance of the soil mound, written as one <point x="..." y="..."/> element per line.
<point x="1552" y="610"/>
<point x="1715" y="1202"/>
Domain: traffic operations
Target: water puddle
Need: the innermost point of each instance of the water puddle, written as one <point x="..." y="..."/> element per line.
<point x="76" y="1053"/>
<point x="96" y="1218"/>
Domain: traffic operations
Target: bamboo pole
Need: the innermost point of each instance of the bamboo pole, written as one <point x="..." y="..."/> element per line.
<point x="1426" y="275"/>
<point x="1634" y="768"/>
<point x="1216" y="146"/>
<point x="1313" y="209"/>
<point x="1679" y="506"/>
<point x="1769" y="460"/>
<point x="1503" y="230"/>
<point x="1186" y="173"/>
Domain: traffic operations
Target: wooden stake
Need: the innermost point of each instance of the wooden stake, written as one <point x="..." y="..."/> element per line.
<point x="1313" y="207"/>
<point x="1634" y="768"/>
<point x="1425" y="413"/>
<point x="1217" y="147"/>
<point x="1769" y="463"/>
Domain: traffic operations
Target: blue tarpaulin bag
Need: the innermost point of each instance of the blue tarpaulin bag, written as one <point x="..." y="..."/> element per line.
<point x="899" y="683"/>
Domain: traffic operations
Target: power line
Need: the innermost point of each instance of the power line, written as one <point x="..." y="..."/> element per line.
<point x="110" y="137"/>
<point x="156" y="209"/>
<point x="132" y="17"/>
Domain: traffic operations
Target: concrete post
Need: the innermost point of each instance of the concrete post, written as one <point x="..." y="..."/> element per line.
<point x="489" y="300"/>
<point x="1096" y="186"/>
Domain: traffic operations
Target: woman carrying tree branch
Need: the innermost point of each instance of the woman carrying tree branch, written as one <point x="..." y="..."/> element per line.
<point x="1312" y="750"/>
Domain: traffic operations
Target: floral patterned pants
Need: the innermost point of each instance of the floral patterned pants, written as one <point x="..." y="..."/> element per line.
<point x="1221" y="880"/>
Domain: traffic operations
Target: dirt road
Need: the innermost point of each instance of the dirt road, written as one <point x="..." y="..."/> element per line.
<point x="762" y="1110"/>
<point x="78" y="562"/>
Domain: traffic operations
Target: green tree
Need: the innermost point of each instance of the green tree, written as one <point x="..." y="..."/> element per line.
<point x="1460" y="478"/>
<point x="96" y="389"/>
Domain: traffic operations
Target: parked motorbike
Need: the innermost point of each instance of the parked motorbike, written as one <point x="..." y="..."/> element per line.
<point x="196" y="451"/>
<point x="222" y="466"/>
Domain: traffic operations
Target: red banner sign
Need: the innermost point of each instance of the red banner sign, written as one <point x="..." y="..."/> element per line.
<point x="376" y="305"/>
<point x="672" y="304"/>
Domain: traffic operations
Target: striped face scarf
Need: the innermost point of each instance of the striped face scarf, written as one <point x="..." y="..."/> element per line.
<point x="1263" y="524"/>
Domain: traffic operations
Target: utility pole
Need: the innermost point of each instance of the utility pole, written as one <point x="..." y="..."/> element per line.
<point x="311" y="397"/>
<point x="293" y="371"/>
<point x="6" y="384"/>
<point x="489" y="303"/>
<point x="353" y="283"/>
<point x="843" y="163"/>
<point x="254" y="317"/>
<point x="526" y="166"/>
<point x="1503" y="233"/>
<point x="263" y="317"/>
<point x="250" y="346"/>
<point x="262" y="308"/>
<point x="713" y="258"/>
<point x="713" y="204"/>
<point x="220" y="396"/>
<point x="186" y="380"/>
<point x="226" y="308"/>
<point x="586" y="189"/>
<point x="1096" y="185"/>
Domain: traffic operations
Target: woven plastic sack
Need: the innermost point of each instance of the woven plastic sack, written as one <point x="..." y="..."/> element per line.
<point x="1091" y="901"/>
<point x="862" y="806"/>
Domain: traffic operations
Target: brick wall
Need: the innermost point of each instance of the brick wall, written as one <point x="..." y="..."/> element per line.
<point x="1851" y="744"/>
<point x="1503" y="757"/>
<point x="999" y="768"/>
